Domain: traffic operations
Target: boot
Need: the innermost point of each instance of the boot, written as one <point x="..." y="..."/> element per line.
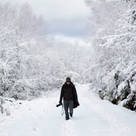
<point x="71" y="114"/>
<point x="67" y="118"/>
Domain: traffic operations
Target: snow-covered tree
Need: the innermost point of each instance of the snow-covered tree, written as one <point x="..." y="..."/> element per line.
<point x="115" y="52"/>
<point x="31" y="62"/>
<point x="18" y="28"/>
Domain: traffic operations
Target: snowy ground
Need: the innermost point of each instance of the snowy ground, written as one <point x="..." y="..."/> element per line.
<point x="93" y="118"/>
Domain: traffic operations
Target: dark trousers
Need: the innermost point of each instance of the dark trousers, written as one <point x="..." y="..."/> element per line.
<point x="68" y="105"/>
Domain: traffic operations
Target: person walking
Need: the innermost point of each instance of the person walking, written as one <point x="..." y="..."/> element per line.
<point x="69" y="96"/>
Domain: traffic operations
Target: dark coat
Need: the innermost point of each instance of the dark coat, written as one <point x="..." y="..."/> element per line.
<point x="68" y="92"/>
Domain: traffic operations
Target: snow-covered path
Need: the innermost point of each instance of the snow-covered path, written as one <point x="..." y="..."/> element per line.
<point x="94" y="117"/>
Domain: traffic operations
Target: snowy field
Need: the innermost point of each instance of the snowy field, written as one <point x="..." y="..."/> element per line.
<point x="94" y="117"/>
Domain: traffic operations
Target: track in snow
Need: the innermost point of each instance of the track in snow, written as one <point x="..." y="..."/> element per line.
<point x="94" y="117"/>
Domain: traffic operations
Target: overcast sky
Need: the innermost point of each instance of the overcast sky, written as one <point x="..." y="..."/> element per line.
<point x="64" y="17"/>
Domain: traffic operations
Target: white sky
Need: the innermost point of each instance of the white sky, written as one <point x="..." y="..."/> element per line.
<point x="66" y="17"/>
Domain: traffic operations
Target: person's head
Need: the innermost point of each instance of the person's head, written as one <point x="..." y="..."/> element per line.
<point x="68" y="80"/>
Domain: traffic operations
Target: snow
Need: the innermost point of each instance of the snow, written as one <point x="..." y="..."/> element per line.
<point x="94" y="117"/>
